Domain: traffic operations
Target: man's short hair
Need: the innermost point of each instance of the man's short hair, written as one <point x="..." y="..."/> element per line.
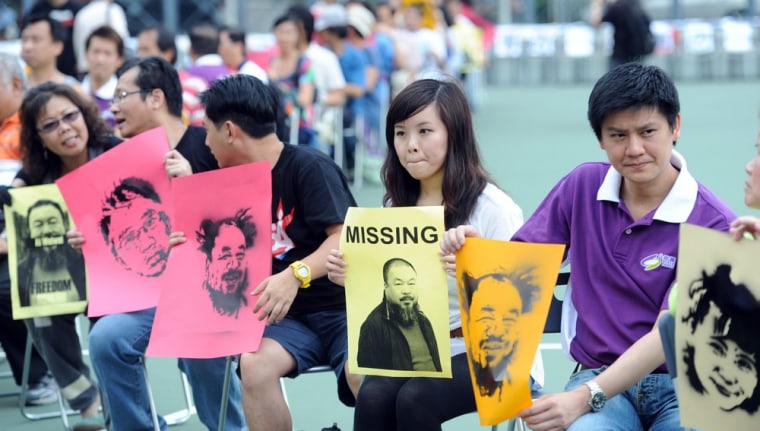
<point x="521" y="279"/>
<point x="11" y="68"/>
<point x="204" y="39"/>
<point x="119" y="197"/>
<point x="108" y="33"/>
<point x="246" y="101"/>
<point x="156" y="73"/>
<point x="209" y="230"/>
<point x="632" y="86"/>
<point x="57" y="30"/>
<point x="394" y="261"/>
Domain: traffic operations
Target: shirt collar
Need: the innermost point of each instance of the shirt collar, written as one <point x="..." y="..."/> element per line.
<point x="105" y="92"/>
<point x="677" y="204"/>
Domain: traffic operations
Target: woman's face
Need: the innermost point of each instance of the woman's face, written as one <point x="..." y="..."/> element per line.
<point x="728" y="373"/>
<point x="61" y="127"/>
<point x="286" y="35"/>
<point x="421" y="143"/>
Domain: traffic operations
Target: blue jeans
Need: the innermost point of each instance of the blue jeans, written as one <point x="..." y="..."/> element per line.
<point x="648" y="405"/>
<point x="117" y="348"/>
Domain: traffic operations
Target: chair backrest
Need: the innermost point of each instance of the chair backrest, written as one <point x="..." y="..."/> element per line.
<point x="554" y="317"/>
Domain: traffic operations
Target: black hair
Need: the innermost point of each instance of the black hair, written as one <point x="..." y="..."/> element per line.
<point x="209" y="230"/>
<point x="119" y="196"/>
<point x="156" y="73"/>
<point x="57" y="30"/>
<point x="245" y="101"/>
<point x="165" y="40"/>
<point x="204" y="39"/>
<point x="302" y="14"/>
<point x="632" y="86"/>
<point x="108" y="33"/>
<point x="521" y="279"/>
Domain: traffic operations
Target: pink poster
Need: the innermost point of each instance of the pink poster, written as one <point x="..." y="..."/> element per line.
<point x="206" y="309"/>
<point x="120" y="202"/>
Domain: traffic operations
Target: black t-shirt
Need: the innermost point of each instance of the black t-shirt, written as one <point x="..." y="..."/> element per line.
<point x="193" y="147"/>
<point x="67" y="62"/>
<point x="309" y="194"/>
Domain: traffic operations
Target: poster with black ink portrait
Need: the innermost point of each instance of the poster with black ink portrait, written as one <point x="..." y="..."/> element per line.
<point x="121" y="204"/>
<point x="717" y="322"/>
<point x="206" y="309"/>
<point x="47" y="276"/>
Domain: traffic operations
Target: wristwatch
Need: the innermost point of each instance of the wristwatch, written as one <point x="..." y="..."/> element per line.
<point x="302" y="273"/>
<point x="597" y="400"/>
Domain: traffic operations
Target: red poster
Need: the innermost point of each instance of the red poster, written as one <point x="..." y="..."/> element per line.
<point x="205" y="308"/>
<point x="120" y="202"/>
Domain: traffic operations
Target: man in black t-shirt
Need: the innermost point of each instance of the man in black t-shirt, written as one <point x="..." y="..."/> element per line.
<point x="306" y="312"/>
<point x="149" y="95"/>
<point x="631" y="25"/>
<point x="64" y="12"/>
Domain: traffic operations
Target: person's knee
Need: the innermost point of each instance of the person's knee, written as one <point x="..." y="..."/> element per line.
<point x="102" y="341"/>
<point x="257" y="370"/>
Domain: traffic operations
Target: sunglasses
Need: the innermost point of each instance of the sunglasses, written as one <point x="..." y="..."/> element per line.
<point x="52" y="125"/>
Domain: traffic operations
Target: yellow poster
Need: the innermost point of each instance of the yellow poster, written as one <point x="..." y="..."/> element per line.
<point x="396" y="292"/>
<point x="47" y="276"/>
<point x="505" y="289"/>
<point x="717" y="323"/>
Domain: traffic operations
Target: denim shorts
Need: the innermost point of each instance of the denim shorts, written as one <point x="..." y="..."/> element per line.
<point x="313" y="339"/>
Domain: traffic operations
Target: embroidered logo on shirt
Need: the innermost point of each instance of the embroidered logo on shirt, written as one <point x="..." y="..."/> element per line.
<point x="654" y="261"/>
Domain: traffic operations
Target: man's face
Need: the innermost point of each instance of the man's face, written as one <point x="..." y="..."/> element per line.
<point x="227" y="270"/>
<point x="147" y="44"/>
<point x="46" y="227"/>
<point x="217" y="143"/>
<point x="494" y="313"/>
<point x="102" y="58"/>
<point x="37" y="45"/>
<point x="139" y="236"/>
<point x="132" y="113"/>
<point x="401" y="287"/>
<point x="727" y="372"/>
<point x="639" y="144"/>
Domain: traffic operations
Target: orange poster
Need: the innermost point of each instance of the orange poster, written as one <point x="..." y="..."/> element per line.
<point x="505" y="289"/>
<point x="206" y="309"/>
<point x="120" y="203"/>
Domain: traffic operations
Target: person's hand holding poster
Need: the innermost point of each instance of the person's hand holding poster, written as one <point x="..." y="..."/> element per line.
<point x="396" y="292"/>
<point x="206" y="309"/>
<point x="717" y="326"/>
<point x="120" y="204"/>
<point x="505" y="289"/>
<point x="47" y="276"/>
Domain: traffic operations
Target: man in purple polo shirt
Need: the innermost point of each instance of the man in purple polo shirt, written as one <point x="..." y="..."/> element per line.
<point x="619" y="221"/>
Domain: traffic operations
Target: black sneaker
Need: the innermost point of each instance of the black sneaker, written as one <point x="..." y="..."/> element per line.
<point x="43" y="392"/>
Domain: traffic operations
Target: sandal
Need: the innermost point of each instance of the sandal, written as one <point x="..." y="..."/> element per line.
<point x="91" y="423"/>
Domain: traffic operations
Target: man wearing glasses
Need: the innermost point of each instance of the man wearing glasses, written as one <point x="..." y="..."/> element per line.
<point x="148" y="95"/>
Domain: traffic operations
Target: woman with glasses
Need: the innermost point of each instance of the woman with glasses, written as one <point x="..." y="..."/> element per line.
<point x="61" y="131"/>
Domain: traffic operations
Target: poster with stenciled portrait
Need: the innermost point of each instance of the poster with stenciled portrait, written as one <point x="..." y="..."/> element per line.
<point x="47" y="276"/>
<point x="505" y="289"/>
<point x="120" y="202"/>
<point x="717" y="347"/>
<point x="206" y="308"/>
<point x="396" y="292"/>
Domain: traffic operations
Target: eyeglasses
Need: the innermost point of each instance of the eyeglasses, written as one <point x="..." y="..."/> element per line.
<point x="52" y="126"/>
<point x="123" y="94"/>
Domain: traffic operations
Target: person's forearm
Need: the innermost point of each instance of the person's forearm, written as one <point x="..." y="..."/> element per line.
<point x="317" y="260"/>
<point x="640" y="359"/>
<point x="353" y="90"/>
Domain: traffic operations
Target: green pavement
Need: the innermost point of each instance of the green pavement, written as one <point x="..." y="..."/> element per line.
<point x="529" y="137"/>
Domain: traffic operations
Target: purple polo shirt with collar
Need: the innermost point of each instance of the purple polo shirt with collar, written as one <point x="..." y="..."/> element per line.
<point x="621" y="269"/>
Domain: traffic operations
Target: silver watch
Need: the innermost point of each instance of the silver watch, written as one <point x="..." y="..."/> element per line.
<point x="597" y="400"/>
